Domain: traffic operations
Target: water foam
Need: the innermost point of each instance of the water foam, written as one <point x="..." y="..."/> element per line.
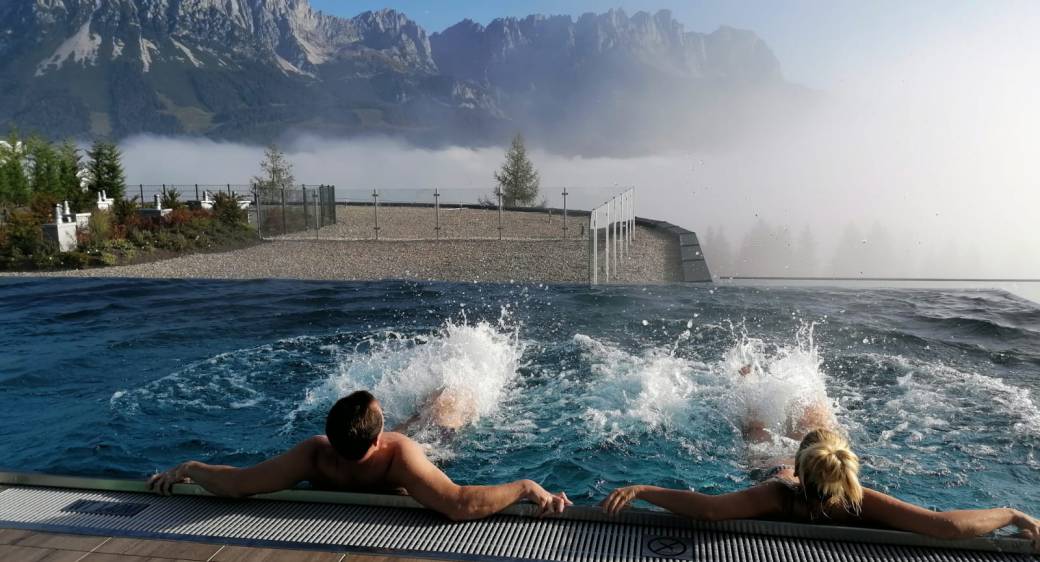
<point x="662" y="389"/>
<point x="474" y="363"/>
<point x="782" y="381"/>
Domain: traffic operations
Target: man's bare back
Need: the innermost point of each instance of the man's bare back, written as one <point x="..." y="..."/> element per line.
<point x="378" y="461"/>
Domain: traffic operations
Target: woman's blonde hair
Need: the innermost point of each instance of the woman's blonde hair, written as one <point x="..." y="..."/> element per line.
<point x="829" y="470"/>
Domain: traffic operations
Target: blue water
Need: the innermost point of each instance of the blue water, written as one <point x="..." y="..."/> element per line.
<point x="580" y="389"/>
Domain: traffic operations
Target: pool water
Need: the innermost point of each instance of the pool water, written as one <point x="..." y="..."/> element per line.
<point x="581" y="389"/>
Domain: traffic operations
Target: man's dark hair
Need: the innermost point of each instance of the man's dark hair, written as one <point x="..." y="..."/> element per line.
<point x="353" y="424"/>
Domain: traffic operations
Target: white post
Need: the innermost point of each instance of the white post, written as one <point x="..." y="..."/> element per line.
<point x="57" y="213"/>
<point x="624" y="223"/>
<point x="158" y="202"/>
<point x="593" y="249"/>
<point x="606" y="245"/>
<point x="68" y="211"/>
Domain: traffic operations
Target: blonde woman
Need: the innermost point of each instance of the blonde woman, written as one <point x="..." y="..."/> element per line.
<point x="822" y="485"/>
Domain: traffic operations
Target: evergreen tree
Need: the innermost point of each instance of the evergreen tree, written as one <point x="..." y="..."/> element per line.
<point x="518" y="179"/>
<point x="44" y="176"/>
<point x="277" y="172"/>
<point x="106" y="170"/>
<point x="68" y="174"/>
<point x="14" y="187"/>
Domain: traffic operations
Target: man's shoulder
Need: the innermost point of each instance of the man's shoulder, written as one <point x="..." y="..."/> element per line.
<point x="399" y="440"/>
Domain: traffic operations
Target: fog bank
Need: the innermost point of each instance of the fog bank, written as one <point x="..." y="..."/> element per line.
<point x="921" y="165"/>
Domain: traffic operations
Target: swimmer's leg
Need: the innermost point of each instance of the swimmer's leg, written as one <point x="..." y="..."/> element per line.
<point x="817" y="415"/>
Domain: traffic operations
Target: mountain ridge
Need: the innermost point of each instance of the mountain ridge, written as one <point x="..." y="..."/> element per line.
<point x="257" y="70"/>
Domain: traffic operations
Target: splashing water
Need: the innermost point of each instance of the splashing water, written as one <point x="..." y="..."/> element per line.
<point x="473" y="365"/>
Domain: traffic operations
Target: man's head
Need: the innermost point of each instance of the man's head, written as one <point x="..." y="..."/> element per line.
<point x="354" y="424"/>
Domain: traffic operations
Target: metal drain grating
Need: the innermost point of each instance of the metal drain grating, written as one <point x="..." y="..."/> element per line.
<point x="419" y="532"/>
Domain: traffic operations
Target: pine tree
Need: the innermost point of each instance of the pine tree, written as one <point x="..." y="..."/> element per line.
<point x="518" y="179"/>
<point x="277" y="172"/>
<point x="68" y="173"/>
<point x="14" y="186"/>
<point x="45" y="175"/>
<point x="106" y="170"/>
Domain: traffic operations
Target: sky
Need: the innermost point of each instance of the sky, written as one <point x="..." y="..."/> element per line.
<point x="819" y="43"/>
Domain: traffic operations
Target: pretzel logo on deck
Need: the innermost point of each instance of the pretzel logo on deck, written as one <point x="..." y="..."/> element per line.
<point x="665" y="547"/>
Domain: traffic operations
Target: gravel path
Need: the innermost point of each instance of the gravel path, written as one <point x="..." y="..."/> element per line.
<point x="357" y="222"/>
<point x="654" y="256"/>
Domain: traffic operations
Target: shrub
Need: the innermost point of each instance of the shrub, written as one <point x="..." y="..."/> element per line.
<point x="226" y="209"/>
<point x="140" y="238"/>
<point x="42" y="206"/>
<point x="75" y="260"/>
<point x="24" y="233"/>
<point x="125" y="211"/>
<point x="179" y="216"/>
<point x="171" y="199"/>
<point x="100" y="226"/>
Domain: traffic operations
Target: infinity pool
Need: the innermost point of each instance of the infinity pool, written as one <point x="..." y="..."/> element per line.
<point x="580" y="389"/>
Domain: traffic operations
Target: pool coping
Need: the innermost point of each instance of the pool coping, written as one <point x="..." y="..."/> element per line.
<point x="633" y="516"/>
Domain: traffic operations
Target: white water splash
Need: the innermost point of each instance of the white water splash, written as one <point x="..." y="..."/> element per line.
<point x="661" y="389"/>
<point x="471" y="363"/>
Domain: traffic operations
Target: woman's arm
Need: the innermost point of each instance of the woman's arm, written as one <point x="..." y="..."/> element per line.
<point x="958" y="524"/>
<point x="758" y="501"/>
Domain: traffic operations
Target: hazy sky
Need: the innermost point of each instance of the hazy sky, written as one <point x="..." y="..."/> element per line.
<point x="819" y="43"/>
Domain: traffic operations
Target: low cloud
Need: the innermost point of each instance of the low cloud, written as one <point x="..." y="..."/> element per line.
<point x="924" y="165"/>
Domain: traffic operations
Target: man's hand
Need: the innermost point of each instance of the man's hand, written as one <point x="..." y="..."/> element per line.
<point x="620" y="498"/>
<point x="546" y="502"/>
<point x="1029" y="528"/>
<point x="162" y="482"/>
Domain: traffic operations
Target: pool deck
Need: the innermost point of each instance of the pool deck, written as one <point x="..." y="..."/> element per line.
<point x="60" y="518"/>
<point x="18" y="545"/>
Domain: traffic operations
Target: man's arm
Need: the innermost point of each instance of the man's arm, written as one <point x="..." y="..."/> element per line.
<point x="432" y="488"/>
<point x="278" y="473"/>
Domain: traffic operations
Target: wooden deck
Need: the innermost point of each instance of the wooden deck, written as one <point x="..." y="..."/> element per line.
<point x="32" y="546"/>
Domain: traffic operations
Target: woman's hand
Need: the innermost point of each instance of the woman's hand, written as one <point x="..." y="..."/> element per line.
<point x="620" y="498"/>
<point x="162" y="483"/>
<point x="1029" y="528"/>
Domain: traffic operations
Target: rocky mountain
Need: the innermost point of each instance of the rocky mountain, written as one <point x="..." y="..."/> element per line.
<point x="258" y="70"/>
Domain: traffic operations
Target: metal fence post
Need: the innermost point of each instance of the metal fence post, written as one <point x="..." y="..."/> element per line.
<point x="498" y="191"/>
<point x="437" y="212"/>
<point x="256" y="201"/>
<point x="197" y="191"/>
<point x="565" y="213"/>
<point x="142" y="193"/>
<point x="284" y="226"/>
<point x="375" y="211"/>
<point x="229" y="189"/>
<point x="306" y="223"/>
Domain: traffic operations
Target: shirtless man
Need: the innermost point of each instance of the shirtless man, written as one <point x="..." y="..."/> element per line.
<point x="355" y="454"/>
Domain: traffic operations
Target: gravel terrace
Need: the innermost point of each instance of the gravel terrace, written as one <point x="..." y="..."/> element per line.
<point x="654" y="257"/>
<point x="357" y="222"/>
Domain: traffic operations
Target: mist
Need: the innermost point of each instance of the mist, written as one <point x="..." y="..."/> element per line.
<point x="921" y="163"/>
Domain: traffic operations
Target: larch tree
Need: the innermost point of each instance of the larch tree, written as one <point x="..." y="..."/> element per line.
<point x="518" y="179"/>
<point x="276" y="172"/>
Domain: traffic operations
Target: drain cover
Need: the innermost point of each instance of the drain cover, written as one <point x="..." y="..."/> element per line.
<point x="656" y="546"/>
<point x="98" y="507"/>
